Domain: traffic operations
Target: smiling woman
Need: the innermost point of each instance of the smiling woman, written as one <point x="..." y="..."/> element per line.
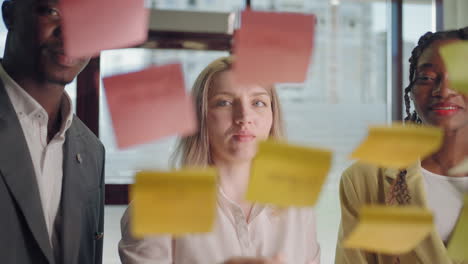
<point x="426" y="183"/>
<point x="435" y="102"/>
<point x="232" y="119"/>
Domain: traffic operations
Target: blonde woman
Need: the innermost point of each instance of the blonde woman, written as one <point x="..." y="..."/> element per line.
<point x="232" y="118"/>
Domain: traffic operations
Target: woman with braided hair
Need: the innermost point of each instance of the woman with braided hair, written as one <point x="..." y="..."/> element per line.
<point x="425" y="183"/>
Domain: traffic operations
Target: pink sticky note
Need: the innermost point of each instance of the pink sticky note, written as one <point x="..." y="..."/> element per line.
<point x="90" y="26"/>
<point x="273" y="47"/>
<point x="149" y="105"/>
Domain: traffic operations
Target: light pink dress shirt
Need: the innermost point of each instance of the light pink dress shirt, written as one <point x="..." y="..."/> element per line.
<point x="289" y="232"/>
<point x="47" y="158"/>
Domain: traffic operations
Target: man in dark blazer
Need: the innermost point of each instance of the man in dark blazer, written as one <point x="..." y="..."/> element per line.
<point x="51" y="164"/>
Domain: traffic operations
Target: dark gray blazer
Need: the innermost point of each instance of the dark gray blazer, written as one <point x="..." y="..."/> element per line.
<point x="23" y="233"/>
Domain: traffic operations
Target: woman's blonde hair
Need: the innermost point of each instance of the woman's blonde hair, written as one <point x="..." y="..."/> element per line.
<point x="194" y="150"/>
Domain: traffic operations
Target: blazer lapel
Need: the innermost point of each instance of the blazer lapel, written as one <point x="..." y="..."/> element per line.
<point x="18" y="172"/>
<point x="72" y="195"/>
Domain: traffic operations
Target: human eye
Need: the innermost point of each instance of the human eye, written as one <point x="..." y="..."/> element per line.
<point x="424" y="78"/>
<point x="259" y="103"/>
<point x="48" y="10"/>
<point x="222" y="103"/>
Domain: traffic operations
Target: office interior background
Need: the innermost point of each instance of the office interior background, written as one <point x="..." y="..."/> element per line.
<point x="351" y="84"/>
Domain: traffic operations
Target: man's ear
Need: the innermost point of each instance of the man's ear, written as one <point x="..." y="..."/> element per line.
<point x="8" y="7"/>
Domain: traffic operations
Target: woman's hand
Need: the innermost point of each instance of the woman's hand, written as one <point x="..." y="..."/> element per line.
<point x="244" y="260"/>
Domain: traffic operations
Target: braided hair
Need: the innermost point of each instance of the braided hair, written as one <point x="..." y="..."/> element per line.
<point x="424" y="42"/>
<point x="399" y="193"/>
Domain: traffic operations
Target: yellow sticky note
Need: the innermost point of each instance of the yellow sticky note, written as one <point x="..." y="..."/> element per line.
<point x="399" y="145"/>
<point x="458" y="246"/>
<point x="176" y="202"/>
<point x="390" y="230"/>
<point x="286" y="175"/>
<point x="455" y="56"/>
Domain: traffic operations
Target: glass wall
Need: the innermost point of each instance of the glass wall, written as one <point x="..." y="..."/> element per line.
<point x="346" y="90"/>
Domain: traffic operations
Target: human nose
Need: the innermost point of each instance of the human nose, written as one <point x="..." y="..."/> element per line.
<point x="443" y="88"/>
<point x="57" y="31"/>
<point x="242" y="113"/>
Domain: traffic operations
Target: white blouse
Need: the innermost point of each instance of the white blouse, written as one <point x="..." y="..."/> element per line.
<point x="445" y="199"/>
<point x="289" y="232"/>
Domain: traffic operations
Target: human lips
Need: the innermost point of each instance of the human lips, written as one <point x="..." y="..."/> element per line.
<point x="445" y="109"/>
<point x="243" y="136"/>
<point x="65" y="60"/>
<point x="60" y="58"/>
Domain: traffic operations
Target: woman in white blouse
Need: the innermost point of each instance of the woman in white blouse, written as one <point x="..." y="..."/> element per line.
<point x="232" y="118"/>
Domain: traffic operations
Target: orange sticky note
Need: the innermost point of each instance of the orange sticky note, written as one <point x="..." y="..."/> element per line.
<point x="273" y="47"/>
<point x="149" y="105"/>
<point x="90" y="26"/>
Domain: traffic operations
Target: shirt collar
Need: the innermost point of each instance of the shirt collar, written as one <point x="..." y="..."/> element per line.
<point x="234" y="209"/>
<point x="412" y="169"/>
<point x="26" y="106"/>
<point x="66" y="112"/>
<point x="23" y="103"/>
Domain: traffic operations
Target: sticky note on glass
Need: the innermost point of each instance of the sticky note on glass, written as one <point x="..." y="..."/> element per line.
<point x="287" y="175"/>
<point x="177" y="202"/>
<point x="390" y="230"/>
<point x="90" y="26"/>
<point x="457" y="248"/>
<point x="149" y="104"/>
<point x="461" y="168"/>
<point x="455" y="56"/>
<point x="399" y="145"/>
<point x="273" y="47"/>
